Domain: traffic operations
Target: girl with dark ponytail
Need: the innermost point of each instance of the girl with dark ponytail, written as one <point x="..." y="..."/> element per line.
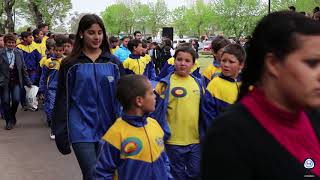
<point x="272" y="132"/>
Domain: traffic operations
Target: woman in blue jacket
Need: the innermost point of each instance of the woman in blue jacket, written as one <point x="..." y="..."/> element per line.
<point x="85" y="105"/>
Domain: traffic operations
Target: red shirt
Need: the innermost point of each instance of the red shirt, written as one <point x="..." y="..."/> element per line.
<point x="292" y="130"/>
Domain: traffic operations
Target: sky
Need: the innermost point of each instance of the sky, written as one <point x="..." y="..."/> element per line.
<point x="97" y="6"/>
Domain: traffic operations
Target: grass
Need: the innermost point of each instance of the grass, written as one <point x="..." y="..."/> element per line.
<point x="204" y="61"/>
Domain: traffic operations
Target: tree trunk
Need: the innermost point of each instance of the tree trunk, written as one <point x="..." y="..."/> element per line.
<point x="34" y="8"/>
<point x="2" y="25"/>
<point x="9" y="24"/>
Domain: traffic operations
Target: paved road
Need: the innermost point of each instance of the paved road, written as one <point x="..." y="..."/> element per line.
<point x="27" y="153"/>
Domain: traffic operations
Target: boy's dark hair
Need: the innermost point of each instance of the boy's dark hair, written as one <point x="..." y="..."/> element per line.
<point x="186" y="49"/>
<point x="9" y="37"/>
<point x="69" y="41"/>
<point x="35" y="32"/>
<point x="50" y="43"/>
<point x="25" y="34"/>
<point x="144" y="43"/>
<point x="113" y="39"/>
<point x="124" y="37"/>
<point x="59" y="41"/>
<point x="316" y="9"/>
<point x="292" y="8"/>
<point x="236" y="50"/>
<point x="303" y="13"/>
<point x="133" y="43"/>
<point x="277" y="33"/>
<point x="218" y="43"/>
<point x="29" y="29"/>
<point x="129" y="87"/>
<point x="72" y="37"/>
<point x="136" y="32"/>
<point x="42" y="25"/>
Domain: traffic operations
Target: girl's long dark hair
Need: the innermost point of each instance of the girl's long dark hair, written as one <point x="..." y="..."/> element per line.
<point x="85" y="23"/>
<point x="276" y="33"/>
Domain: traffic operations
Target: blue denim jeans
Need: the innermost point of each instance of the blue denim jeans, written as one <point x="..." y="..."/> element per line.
<point x="86" y="154"/>
<point x="10" y="99"/>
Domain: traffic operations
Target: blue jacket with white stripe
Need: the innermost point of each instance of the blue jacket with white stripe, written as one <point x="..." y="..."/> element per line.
<point x="85" y="105"/>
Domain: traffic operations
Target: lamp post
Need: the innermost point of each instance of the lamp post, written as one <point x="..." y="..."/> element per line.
<point x="269" y="8"/>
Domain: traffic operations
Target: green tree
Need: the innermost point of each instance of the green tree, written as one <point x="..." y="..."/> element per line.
<point x="118" y="18"/>
<point x="159" y="16"/>
<point x="141" y="16"/>
<point x="179" y="19"/>
<point x="48" y="11"/>
<point x="238" y="17"/>
<point x="200" y="18"/>
<point x="301" y="5"/>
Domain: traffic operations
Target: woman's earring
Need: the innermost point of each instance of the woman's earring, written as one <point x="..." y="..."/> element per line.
<point x="81" y="37"/>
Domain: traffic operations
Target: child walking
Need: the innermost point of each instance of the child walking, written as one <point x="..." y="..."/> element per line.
<point x="133" y="147"/>
<point x="223" y="89"/>
<point x="179" y="112"/>
<point x="49" y="80"/>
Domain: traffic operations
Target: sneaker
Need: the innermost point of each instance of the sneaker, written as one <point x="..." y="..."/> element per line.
<point x="52" y="136"/>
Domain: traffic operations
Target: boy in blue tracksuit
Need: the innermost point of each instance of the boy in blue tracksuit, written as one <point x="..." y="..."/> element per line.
<point x="179" y="112"/>
<point x="137" y="64"/>
<point x="31" y="57"/>
<point x="223" y="90"/>
<point x="133" y="147"/>
<point x="49" y="80"/>
<point x="217" y="45"/>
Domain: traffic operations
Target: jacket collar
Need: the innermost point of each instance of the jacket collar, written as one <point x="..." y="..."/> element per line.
<point x="103" y="55"/>
<point x="216" y="63"/>
<point x="229" y="78"/>
<point x="137" y="121"/>
<point x="123" y="47"/>
<point x="133" y="56"/>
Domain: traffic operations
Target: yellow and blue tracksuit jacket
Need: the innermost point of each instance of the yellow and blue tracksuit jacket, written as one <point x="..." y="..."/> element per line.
<point x="136" y="64"/>
<point x="113" y="50"/>
<point x="49" y="75"/>
<point x="210" y="72"/>
<point x="86" y="105"/>
<point x="133" y="148"/>
<point x="42" y="48"/>
<point x="162" y="101"/>
<point x="168" y="68"/>
<point x="221" y="92"/>
<point x="32" y="59"/>
<point x="49" y="83"/>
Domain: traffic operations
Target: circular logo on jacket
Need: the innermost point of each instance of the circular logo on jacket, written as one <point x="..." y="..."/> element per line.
<point x="179" y="92"/>
<point x="131" y="146"/>
<point x="308" y="163"/>
<point x="52" y="64"/>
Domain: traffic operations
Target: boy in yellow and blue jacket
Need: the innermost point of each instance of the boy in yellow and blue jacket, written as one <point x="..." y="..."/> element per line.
<point x="223" y="90"/>
<point x="133" y="147"/>
<point x="31" y="57"/>
<point x="49" y="80"/>
<point x="179" y="111"/>
<point x="136" y="64"/>
<point x="217" y="45"/>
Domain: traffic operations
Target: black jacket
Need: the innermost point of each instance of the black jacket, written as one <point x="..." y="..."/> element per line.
<point x="238" y="147"/>
<point x="21" y="67"/>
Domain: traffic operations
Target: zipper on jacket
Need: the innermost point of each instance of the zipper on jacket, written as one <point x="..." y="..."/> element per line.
<point x="145" y="131"/>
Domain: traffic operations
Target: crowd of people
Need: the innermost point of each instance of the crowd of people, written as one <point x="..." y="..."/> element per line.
<point x="143" y="110"/>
